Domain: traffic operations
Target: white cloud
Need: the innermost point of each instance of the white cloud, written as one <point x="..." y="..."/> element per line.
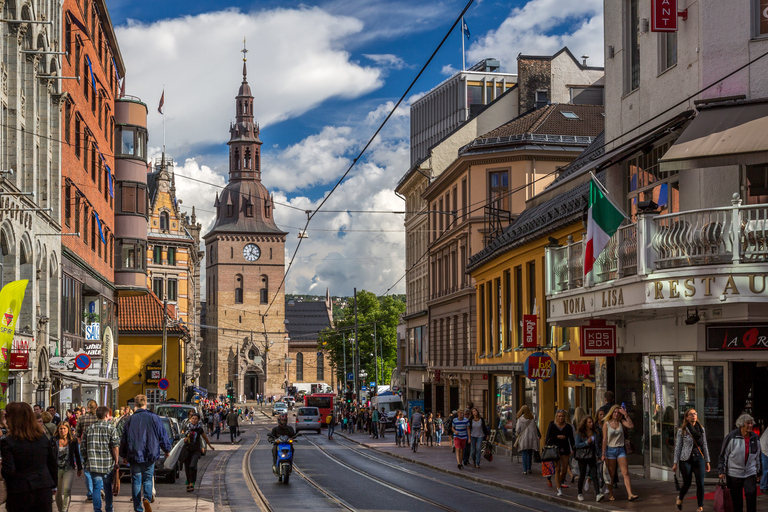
<point x="542" y="27"/>
<point x="295" y="58"/>
<point x="387" y="60"/>
<point x="449" y="70"/>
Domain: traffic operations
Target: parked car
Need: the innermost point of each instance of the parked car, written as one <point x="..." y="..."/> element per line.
<point x="308" y="418"/>
<point x="173" y="430"/>
<point x="279" y="408"/>
<point x="177" y="410"/>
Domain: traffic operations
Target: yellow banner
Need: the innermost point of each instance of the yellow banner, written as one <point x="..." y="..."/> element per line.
<point x="11" y="297"/>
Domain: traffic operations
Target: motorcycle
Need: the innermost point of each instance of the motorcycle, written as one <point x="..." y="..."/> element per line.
<point x="284" y="466"/>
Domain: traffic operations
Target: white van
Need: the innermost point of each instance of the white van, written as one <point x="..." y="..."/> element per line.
<point x="391" y="404"/>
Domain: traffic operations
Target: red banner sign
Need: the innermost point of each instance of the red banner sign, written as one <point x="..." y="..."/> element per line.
<point x="663" y="15"/>
<point x="19" y="359"/>
<point x="530" y="339"/>
<point x="598" y="341"/>
<point x="580" y="368"/>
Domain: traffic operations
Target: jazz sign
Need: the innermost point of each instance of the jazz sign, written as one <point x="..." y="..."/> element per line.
<point x="539" y="366"/>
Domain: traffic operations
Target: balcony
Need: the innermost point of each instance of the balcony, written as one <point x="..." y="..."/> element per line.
<point x="657" y="243"/>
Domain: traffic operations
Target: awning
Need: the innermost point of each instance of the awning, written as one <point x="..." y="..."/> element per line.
<point x="719" y="136"/>
<point x="496" y="368"/>
<point x="81" y="378"/>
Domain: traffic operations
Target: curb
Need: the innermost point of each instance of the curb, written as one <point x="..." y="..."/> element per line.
<point x="534" y="494"/>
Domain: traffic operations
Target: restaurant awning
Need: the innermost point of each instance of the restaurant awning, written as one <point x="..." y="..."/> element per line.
<point x="81" y="378"/>
<point x="722" y="135"/>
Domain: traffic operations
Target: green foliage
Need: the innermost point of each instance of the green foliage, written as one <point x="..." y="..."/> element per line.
<point x="385" y="313"/>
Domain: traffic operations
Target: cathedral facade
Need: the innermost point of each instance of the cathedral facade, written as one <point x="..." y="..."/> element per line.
<point x="245" y="266"/>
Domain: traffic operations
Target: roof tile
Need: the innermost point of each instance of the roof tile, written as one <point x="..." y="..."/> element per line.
<point x="144" y="314"/>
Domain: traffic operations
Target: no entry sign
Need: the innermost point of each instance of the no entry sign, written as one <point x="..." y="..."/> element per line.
<point x="83" y="361"/>
<point x="163" y="384"/>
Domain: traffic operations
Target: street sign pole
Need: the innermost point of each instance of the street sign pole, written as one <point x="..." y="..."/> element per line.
<point x="356" y="356"/>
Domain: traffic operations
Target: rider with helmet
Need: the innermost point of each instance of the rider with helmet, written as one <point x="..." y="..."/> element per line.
<point x="282" y="429"/>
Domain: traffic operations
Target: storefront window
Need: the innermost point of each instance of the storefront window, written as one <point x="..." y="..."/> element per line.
<point x="504" y="410"/>
<point x="663" y="417"/>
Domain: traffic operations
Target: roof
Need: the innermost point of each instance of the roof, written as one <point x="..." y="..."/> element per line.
<point x="550" y="120"/>
<point x="565" y="50"/>
<point x="143" y="314"/>
<point x="592" y="152"/>
<point x="239" y="194"/>
<point x="305" y="320"/>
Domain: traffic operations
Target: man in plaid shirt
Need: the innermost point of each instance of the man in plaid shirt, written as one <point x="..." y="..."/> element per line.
<point x="100" y="457"/>
<point x="83" y="423"/>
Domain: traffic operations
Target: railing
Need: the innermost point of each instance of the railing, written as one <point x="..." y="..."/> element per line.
<point x="532" y="137"/>
<point x="714" y="236"/>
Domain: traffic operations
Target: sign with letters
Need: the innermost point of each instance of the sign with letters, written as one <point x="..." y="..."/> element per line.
<point x="598" y="340"/>
<point x="737" y="337"/>
<point x="663" y="15"/>
<point x="539" y="366"/>
<point x="530" y="339"/>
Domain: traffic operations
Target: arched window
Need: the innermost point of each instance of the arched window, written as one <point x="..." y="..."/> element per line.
<point x="165" y="222"/>
<point x="299" y="367"/>
<point x="264" y="291"/>
<point x="320" y="367"/>
<point x="237" y="158"/>
<point x="238" y="289"/>
<point x="247" y="158"/>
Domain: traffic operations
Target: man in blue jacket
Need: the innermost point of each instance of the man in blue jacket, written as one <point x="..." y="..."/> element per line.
<point x="143" y="438"/>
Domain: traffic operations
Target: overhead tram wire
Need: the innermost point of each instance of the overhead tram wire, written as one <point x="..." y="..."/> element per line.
<point x="367" y="145"/>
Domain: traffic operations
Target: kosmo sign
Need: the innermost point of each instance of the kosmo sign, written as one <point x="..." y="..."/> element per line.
<point x="539" y="366"/>
<point x="530" y="338"/>
<point x="663" y="15"/>
<point x="598" y="341"/>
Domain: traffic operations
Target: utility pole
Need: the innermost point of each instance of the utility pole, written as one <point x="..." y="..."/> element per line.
<point x="344" y="349"/>
<point x="164" y="365"/>
<point x="376" y="358"/>
<point x="356" y="355"/>
<point x="381" y="353"/>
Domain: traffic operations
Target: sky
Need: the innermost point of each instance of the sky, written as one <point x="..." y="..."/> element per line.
<point x="324" y="75"/>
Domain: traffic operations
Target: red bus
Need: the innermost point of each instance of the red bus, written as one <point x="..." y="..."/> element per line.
<point x="323" y="401"/>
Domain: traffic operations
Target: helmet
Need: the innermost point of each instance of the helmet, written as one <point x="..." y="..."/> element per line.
<point x="282" y="420"/>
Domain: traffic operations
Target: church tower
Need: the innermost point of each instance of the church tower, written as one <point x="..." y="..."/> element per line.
<point x="245" y="265"/>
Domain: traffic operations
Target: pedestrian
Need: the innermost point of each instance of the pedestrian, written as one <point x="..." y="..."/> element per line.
<point x="478" y="431"/>
<point x="467" y="450"/>
<point x="449" y="429"/>
<point x="194" y="448"/>
<point x="527" y="440"/>
<point x="217" y="424"/>
<point x="460" y="436"/>
<point x="578" y="415"/>
<point x="382" y="422"/>
<point x="3" y="423"/>
<point x="331" y="421"/>
<point x="429" y="430"/>
<point x="600" y="463"/>
<point x="84" y="421"/>
<point x="399" y="428"/>
<point x="740" y="463"/>
<point x="764" y="460"/>
<point x="29" y="462"/>
<point x="143" y="439"/>
<point x="69" y="463"/>
<point x="608" y="402"/>
<point x="438" y="421"/>
<point x="613" y="449"/>
<point x="586" y="453"/>
<point x="560" y="434"/>
<point x="100" y="453"/>
<point x="374" y="421"/>
<point x="56" y="419"/>
<point x="693" y="455"/>
<point x="48" y="424"/>
<point x="233" y="422"/>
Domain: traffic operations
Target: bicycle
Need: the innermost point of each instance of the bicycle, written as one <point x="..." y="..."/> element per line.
<point x="416" y="436"/>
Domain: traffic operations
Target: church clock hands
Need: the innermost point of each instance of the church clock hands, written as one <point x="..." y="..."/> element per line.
<point x="251" y="252"/>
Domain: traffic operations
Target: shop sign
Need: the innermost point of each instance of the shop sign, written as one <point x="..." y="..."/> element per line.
<point x="19" y="359"/>
<point x="539" y="366"/>
<point x="108" y="350"/>
<point x="154" y="373"/>
<point x="93" y="331"/>
<point x="580" y="368"/>
<point x="65" y="396"/>
<point x="530" y="339"/>
<point x="92" y="348"/>
<point x="598" y="340"/>
<point x="663" y="15"/>
<point x="737" y="337"/>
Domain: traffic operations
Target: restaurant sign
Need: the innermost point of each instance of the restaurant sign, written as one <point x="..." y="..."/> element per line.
<point x="663" y="15"/>
<point x="737" y="337"/>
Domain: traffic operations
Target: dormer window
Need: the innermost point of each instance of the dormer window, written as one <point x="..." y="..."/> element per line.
<point x="230" y="210"/>
<point x="249" y="210"/>
<point x="165" y="223"/>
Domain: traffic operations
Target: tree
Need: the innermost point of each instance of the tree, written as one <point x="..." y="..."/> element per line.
<point x="384" y="313"/>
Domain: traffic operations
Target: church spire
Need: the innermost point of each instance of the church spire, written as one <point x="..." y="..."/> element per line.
<point x="244" y="143"/>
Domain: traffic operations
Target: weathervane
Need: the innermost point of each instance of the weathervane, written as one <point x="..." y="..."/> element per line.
<point x="244" y="50"/>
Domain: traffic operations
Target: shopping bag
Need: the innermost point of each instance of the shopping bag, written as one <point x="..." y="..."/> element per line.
<point x="723" y="501"/>
<point x="606" y="474"/>
<point x="547" y="468"/>
<point x="173" y="456"/>
<point x="116" y="483"/>
<point x="549" y="453"/>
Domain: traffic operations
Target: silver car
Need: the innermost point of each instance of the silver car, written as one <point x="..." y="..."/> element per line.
<point x="308" y="418"/>
<point x="279" y="408"/>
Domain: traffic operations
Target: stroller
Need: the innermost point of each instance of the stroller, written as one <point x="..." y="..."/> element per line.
<point x="488" y="447"/>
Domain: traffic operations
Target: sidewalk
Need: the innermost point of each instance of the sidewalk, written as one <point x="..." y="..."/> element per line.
<point x="653" y="495"/>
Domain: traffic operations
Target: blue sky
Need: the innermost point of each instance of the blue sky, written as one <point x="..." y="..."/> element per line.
<point x="324" y="74"/>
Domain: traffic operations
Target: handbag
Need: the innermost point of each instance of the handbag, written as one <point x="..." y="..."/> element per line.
<point x="723" y="500"/>
<point x="585" y="452"/>
<point x="629" y="446"/>
<point x="536" y="456"/>
<point x="549" y="453"/>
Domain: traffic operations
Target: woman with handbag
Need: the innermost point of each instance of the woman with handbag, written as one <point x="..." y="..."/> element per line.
<point x="560" y="435"/>
<point x="739" y="464"/>
<point x="193" y="449"/>
<point x="69" y="463"/>
<point x="586" y="454"/>
<point x="693" y="455"/>
<point x="527" y="440"/>
<point x="614" y="447"/>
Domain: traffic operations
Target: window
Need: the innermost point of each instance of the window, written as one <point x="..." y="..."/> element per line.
<point x="464" y="205"/>
<point x="154" y="397"/>
<point x="519" y="304"/>
<point x="171" y="255"/>
<point x="128" y="147"/>
<point x="67" y="121"/>
<point x="542" y="98"/>
<point x="507" y="309"/>
<point x="128" y="198"/>
<point x="78" y="128"/>
<point x="173" y="290"/>
<point x="321" y="367"/>
<point x="164" y="221"/>
<point x="762" y="17"/>
<point x="667" y="50"/>
<point x="531" y="288"/>
<point x="133" y="254"/>
<point x="71" y="305"/>
<point x="757" y="184"/>
<point x="570" y="115"/>
<point x="647" y="183"/>
<point x="133" y="142"/>
<point x="238" y="289"/>
<point x="76" y="67"/>
<point x="632" y="72"/>
<point x="93" y="162"/>
<point x="86" y="143"/>
<point x="77" y="213"/>
<point x="299" y="367"/>
<point x="86" y="78"/>
<point x="498" y="183"/>
<point x="94" y="229"/>
<point x="86" y="217"/>
<point x="157" y="255"/>
<point x="157" y="287"/>
<point x="68" y="38"/>
<point x="264" y="291"/>
<point x="129" y="256"/>
<point x="587" y="95"/>
<point x="67" y="203"/>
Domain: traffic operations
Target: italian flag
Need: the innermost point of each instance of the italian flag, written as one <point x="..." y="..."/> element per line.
<point x="604" y="220"/>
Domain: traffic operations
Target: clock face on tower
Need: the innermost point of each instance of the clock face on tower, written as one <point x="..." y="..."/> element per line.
<point x="251" y="252"/>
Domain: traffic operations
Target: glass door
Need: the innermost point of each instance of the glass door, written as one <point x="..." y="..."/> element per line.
<point x="702" y="386"/>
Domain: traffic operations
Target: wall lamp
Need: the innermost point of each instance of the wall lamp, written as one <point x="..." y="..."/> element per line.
<point x="693" y="317"/>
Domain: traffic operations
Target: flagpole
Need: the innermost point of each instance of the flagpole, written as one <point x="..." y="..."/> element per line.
<point x="163" y="124"/>
<point x="463" y="58"/>
<point x="608" y="195"/>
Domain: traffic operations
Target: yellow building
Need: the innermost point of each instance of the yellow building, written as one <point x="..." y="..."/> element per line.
<point x="140" y="350"/>
<point x="511" y="280"/>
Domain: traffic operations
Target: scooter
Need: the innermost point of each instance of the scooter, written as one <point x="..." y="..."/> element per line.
<point x="284" y="466"/>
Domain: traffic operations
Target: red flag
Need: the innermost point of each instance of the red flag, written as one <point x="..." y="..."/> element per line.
<point x="162" y="101"/>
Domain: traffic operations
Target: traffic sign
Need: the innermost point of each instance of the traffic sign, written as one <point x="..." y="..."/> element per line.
<point x="350" y="376"/>
<point x="163" y="384"/>
<point x="82" y="361"/>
